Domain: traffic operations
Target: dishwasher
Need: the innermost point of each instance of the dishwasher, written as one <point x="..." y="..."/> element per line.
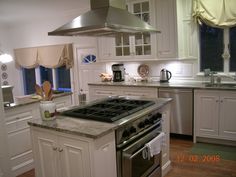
<point x="181" y="121"/>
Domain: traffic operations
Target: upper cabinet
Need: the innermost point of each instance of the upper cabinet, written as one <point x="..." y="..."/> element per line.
<point x="130" y="47"/>
<point x="177" y="40"/>
<point x="187" y="31"/>
<point x="166" y="23"/>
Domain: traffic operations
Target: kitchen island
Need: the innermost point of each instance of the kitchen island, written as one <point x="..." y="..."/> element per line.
<point x="85" y="148"/>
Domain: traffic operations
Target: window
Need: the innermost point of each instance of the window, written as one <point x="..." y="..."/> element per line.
<point x="45" y="74"/>
<point x="63" y="79"/>
<point x="232" y="48"/>
<point x="29" y="80"/>
<point x="59" y="78"/>
<point x="214" y="42"/>
<point x="211" y="47"/>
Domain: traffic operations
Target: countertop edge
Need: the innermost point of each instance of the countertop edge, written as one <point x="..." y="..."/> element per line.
<point x="32" y="101"/>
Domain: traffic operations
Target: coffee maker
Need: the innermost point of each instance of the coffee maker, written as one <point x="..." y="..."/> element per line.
<point x="118" y="72"/>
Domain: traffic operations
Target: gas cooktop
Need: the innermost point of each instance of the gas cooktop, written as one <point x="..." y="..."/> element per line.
<point x="109" y="110"/>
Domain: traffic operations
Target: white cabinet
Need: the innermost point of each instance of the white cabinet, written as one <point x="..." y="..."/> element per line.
<point x="18" y="133"/>
<point x="125" y="47"/>
<point x="166" y="23"/>
<point x="145" y="92"/>
<point x="62" y="102"/>
<point x="166" y="115"/>
<point x="178" y="38"/>
<point x="179" y="33"/>
<point x="214" y="114"/>
<point x="64" y="155"/>
<point x="187" y="31"/>
<point x="227" y="127"/>
<point x="96" y="92"/>
<point x="18" y="136"/>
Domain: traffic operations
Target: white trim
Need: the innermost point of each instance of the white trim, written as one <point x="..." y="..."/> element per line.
<point x="37" y="76"/>
<point x="54" y="78"/>
<point x="226" y="53"/>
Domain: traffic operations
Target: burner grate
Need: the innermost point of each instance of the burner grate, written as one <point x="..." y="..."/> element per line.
<point x="109" y="110"/>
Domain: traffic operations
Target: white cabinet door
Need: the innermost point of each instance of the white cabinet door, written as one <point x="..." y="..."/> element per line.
<point x="18" y="136"/>
<point x="166" y="23"/>
<point x="74" y="157"/>
<point x="46" y="155"/>
<point x="59" y="154"/>
<point x="227" y="121"/>
<point x="106" y="50"/>
<point x="206" y="113"/>
<point x="187" y="31"/>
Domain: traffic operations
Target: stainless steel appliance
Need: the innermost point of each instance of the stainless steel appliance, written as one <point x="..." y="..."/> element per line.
<point x="165" y="75"/>
<point x="7" y="95"/>
<point x="139" y="122"/>
<point x="118" y="72"/>
<point x="106" y="17"/>
<point x="181" y="121"/>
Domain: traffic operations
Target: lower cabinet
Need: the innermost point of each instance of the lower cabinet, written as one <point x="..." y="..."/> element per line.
<point x="18" y="133"/>
<point x="18" y="136"/>
<point x="58" y="154"/>
<point x="214" y="114"/>
<point x="96" y="92"/>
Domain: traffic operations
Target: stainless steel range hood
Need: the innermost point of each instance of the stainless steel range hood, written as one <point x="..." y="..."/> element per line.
<point x="106" y="17"/>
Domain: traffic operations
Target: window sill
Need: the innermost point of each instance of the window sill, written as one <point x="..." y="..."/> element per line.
<point x="218" y="74"/>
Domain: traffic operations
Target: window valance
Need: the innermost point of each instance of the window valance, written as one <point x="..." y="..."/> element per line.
<point x="27" y="57"/>
<point x="216" y="13"/>
<point x="48" y="56"/>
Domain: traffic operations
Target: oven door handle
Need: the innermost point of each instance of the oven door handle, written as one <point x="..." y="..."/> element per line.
<point x="131" y="156"/>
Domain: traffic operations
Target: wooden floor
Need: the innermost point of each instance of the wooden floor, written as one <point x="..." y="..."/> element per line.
<point x="183" y="165"/>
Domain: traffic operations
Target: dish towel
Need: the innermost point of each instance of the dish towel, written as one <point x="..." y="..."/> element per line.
<point x="155" y="145"/>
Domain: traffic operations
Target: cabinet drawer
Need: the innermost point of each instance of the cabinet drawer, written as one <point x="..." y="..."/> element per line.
<point x="18" y="122"/>
<point x="19" y="142"/>
<point x="142" y="92"/>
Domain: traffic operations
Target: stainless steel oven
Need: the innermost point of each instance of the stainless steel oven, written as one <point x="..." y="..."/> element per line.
<point x="139" y="122"/>
<point x="132" y="159"/>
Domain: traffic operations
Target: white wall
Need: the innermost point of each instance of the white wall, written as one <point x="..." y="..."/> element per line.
<point x="36" y="34"/>
<point x="180" y="69"/>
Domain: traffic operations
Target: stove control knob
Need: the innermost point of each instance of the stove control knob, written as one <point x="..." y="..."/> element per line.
<point x="132" y="130"/>
<point x="147" y="122"/>
<point x="152" y="120"/>
<point x="158" y="115"/>
<point x="141" y="125"/>
<point x="125" y="134"/>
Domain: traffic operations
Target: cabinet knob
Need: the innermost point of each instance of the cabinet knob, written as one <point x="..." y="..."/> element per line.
<point x="60" y="149"/>
<point x="54" y="148"/>
<point x="217" y="101"/>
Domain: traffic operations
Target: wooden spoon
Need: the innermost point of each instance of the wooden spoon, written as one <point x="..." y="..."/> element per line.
<point x="50" y="95"/>
<point x="46" y="89"/>
<point x="38" y="90"/>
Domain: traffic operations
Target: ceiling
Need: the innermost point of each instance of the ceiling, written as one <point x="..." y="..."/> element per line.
<point x="18" y="11"/>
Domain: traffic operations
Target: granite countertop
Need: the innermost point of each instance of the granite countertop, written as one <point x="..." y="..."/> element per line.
<point x="29" y="100"/>
<point x="90" y="128"/>
<point x="175" y="84"/>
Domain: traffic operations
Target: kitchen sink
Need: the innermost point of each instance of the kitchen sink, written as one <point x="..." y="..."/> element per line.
<point x="221" y="85"/>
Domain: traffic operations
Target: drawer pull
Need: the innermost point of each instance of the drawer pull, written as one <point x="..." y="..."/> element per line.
<point x="54" y="148"/>
<point x="60" y="149"/>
